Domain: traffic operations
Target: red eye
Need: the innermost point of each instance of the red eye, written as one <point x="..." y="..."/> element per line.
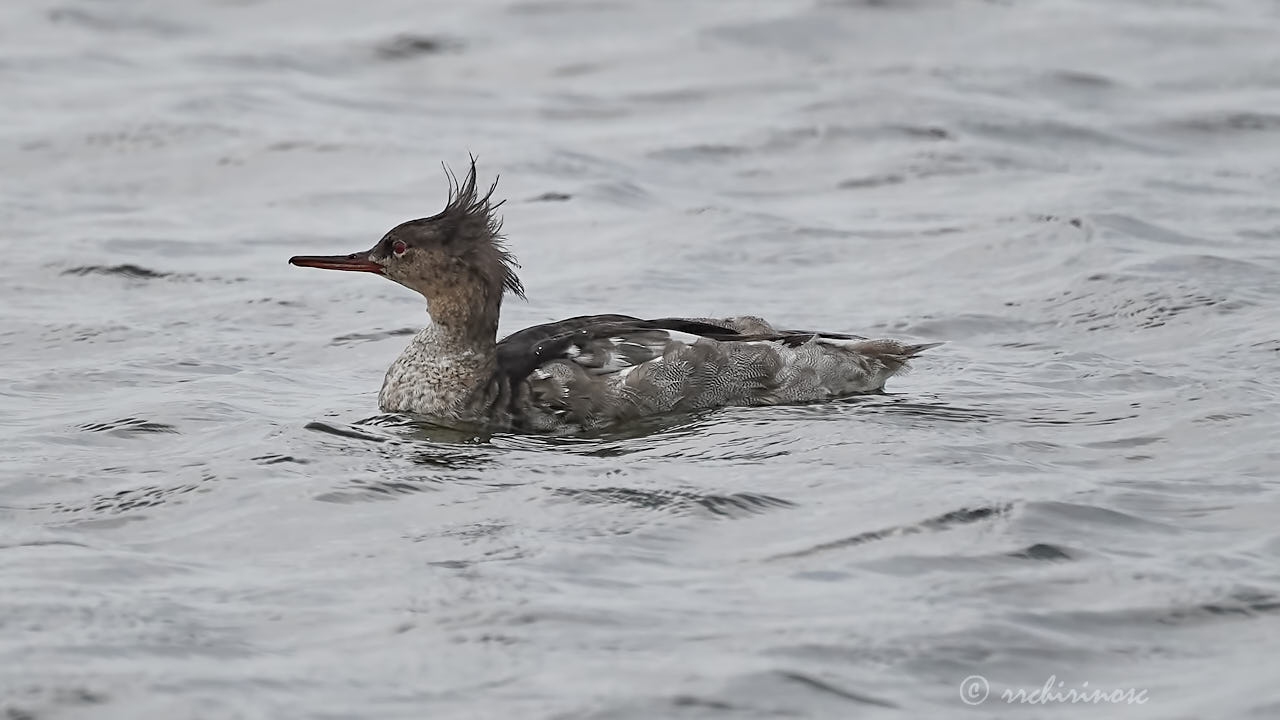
<point x="398" y="247"/>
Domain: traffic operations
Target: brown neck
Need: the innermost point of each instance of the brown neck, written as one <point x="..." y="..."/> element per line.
<point x="466" y="316"/>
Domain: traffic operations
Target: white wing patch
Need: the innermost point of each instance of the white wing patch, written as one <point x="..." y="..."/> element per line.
<point x="683" y="337"/>
<point x="621" y="353"/>
<point x="838" y="342"/>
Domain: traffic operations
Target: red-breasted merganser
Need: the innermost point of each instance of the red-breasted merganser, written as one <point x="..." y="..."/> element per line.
<point x="586" y="372"/>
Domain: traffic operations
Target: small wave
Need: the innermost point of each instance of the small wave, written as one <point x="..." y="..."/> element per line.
<point x="408" y="46"/>
<point x="353" y="338"/>
<point x="367" y="490"/>
<point x="1105" y="309"/>
<point x="274" y="459"/>
<point x="116" y="21"/>
<point x="551" y="197"/>
<point x="726" y="506"/>
<point x="128" y="270"/>
<point x="1223" y="123"/>
<point x="128" y="426"/>
<point x="125" y="502"/>
<point x="962" y="516"/>
<point x="346" y="431"/>
<point x="1241" y="604"/>
<point x="1045" y="552"/>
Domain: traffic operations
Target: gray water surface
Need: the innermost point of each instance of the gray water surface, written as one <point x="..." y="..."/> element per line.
<point x="203" y="514"/>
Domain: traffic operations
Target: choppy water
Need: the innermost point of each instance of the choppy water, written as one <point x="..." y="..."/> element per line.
<point x="202" y="515"/>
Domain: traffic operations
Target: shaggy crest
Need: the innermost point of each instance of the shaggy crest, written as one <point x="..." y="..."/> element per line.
<point x="473" y="220"/>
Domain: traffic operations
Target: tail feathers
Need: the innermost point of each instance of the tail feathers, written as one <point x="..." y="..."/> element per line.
<point x="910" y="351"/>
<point x="891" y="353"/>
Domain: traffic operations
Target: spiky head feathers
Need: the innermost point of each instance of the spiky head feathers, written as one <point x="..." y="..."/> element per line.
<point x="461" y="243"/>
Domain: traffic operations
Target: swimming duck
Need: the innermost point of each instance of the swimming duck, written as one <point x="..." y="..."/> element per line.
<point x="587" y="372"/>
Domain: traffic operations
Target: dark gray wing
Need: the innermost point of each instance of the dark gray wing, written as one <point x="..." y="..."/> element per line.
<point x="562" y="369"/>
<point x="522" y="352"/>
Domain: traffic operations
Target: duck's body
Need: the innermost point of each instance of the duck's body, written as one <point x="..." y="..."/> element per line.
<point x="601" y="370"/>
<point x="587" y="372"/>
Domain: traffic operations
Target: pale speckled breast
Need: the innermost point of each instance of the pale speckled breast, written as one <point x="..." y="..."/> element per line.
<point x="426" y="379"/>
